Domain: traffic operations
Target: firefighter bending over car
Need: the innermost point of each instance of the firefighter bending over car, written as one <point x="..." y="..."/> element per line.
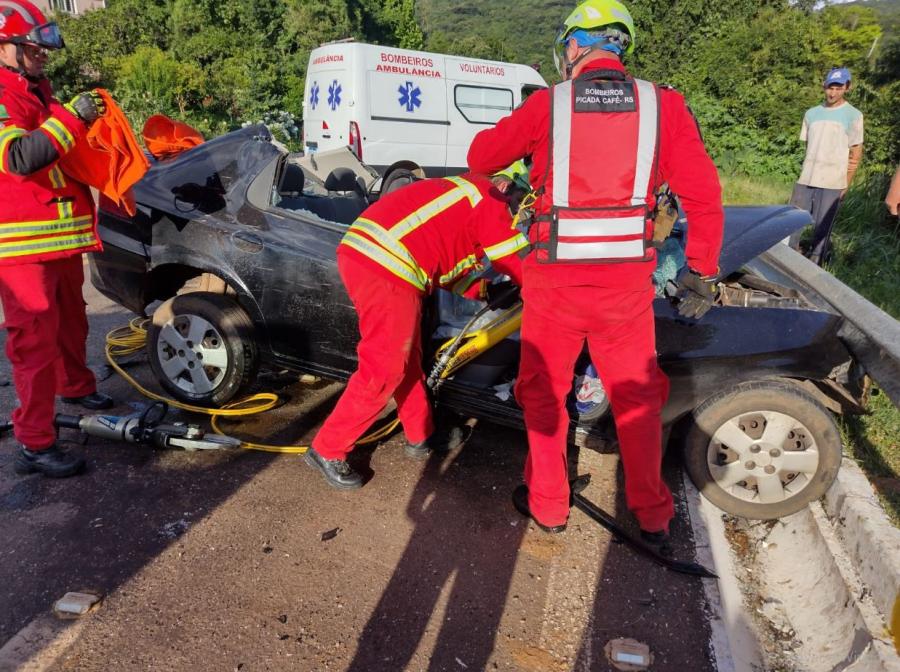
<point x="601" y="142"/>
<point x="47" y="221"/>
<point x="432" y="233"/>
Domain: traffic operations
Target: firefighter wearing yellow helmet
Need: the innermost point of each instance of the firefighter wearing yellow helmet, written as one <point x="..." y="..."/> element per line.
<point x="601" y="144"/>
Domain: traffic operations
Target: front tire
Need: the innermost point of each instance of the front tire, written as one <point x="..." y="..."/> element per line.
<point x="202" y="348"/>
<point x="762" y="450"/>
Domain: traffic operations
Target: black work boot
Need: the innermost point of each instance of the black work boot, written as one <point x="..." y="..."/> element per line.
<point x="418" y="451"/>
<point x="659" y="542"/>
<point x="51" y="462"/>
<point x="338" y="473"/>
<point x="520" y="501"/>
<point x="96" y="401"/>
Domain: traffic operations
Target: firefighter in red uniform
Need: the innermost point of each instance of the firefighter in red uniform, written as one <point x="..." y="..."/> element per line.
<point x="432" y="233"/>
<point x="46" y="222"/>
<point x="601" y="142"/>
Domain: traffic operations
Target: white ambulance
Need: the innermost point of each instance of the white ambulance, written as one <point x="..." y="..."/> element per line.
<point x="397" y="108"/>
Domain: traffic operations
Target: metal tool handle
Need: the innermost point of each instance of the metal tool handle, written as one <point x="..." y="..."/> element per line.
<point x="68" y="421"/>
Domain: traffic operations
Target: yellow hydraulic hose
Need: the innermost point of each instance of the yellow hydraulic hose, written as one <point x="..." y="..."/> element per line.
<point x="132" y="339"/>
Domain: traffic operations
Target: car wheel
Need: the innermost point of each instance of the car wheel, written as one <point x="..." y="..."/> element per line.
<point x="202" y="348"/>
<point x="588" y="402"/>
<point x="762" y="450"/>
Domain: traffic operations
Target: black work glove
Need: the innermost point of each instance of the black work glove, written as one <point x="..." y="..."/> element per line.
<point x="695" y="294"/>
<point x="87" y="106"/>
<point x="501" y="295"/>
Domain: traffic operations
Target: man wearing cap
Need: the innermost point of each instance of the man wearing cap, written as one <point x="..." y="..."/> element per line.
<point x="833" y="133"/>
<point x="47" y="221"/>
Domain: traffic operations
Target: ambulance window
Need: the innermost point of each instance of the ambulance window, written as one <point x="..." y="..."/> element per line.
<point x="481" y="104"/>
<point x="528" y="90"/>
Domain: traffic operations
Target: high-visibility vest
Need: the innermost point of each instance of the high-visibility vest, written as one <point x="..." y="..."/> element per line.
<point x="603" y="156"/>
<point x="46" y="215"/>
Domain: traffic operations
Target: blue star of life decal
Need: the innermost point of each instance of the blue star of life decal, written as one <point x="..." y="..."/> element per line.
<point x="314" y="95"/>
<point x="410" y="97"/>
<point x="334" y="95"/>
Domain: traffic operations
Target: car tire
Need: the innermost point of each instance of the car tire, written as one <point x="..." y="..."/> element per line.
<point x="202" y="348"/>
<point x="762" y="450"/>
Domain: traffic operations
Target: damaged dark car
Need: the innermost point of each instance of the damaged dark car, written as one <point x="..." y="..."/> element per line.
<point x="237" y="239"/>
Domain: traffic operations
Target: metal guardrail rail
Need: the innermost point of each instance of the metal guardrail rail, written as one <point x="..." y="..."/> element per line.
<point x="872" y="336"/>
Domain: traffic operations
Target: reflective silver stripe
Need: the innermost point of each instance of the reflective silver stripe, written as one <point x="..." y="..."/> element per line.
<point x="646" y="150"/>
<point x="614" y="226"/>
<point x="625" y="249"/>
<point x="562" y="141"/>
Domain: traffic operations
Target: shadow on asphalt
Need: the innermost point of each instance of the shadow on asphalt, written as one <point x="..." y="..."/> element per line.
<point x="636" y="598"/>
<point x="456" y="564"/>
<point x="94" y="531"/>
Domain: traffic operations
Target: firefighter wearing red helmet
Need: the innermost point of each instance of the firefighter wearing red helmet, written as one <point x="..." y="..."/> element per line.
<point x="601" y="143"/>
<point x="47" y="220"/>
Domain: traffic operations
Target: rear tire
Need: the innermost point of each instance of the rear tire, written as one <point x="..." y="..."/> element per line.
<point x="762" y="450"/>
<point x="202" y="348"/>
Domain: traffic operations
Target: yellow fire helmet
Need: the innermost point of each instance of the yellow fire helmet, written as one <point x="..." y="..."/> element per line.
<point x="600" y="24"/>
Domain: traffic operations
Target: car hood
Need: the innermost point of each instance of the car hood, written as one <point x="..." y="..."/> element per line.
<point x="751" y="230"/>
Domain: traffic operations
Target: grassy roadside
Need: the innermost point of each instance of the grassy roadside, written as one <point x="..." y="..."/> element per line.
<point x="867" y="258"/>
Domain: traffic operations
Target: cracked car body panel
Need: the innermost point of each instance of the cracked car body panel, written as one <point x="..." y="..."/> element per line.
<point x="207" y="211"/>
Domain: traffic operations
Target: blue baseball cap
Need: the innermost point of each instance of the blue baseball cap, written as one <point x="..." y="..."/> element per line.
<point x="837" y="76"/>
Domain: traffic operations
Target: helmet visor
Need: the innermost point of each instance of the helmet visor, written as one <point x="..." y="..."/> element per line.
<point x="46" y="36"/>
<point x="559" y="51"/>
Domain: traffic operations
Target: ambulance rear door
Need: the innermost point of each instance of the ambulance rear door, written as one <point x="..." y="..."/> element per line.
<point x="407" y="110"/>
<point x="328" y="98"/>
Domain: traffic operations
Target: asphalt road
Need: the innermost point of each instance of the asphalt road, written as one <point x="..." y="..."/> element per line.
<point x="219" y="561"/>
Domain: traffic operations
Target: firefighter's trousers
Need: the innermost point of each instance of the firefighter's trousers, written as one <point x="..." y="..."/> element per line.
<point x="390" y="362"/>
<point x="47" y="331"/>
<point x="619" y="329"/>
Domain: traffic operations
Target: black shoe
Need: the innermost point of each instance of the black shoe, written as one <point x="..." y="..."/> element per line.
<point x="659" y="542"/>
<point x="94" y="402"/>
<point x="51" y="462"/>
<point x="338" y="473"/>
<point x="520" y="501"/>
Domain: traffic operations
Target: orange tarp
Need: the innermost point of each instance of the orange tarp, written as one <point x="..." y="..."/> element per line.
<point x="108" y="157"/>
<point x="166" y="137"/>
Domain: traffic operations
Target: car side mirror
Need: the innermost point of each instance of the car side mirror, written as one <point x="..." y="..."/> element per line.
<point x="342" y="179"/>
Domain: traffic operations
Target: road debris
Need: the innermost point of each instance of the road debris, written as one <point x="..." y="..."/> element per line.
<point x="330" y="534"/>
<point x="628" y="654"/>
<point x="75" y="604"/>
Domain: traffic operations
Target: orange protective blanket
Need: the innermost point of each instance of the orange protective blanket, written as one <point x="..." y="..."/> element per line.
<point x="108" y="157"/>
<point x="165" y="137"/>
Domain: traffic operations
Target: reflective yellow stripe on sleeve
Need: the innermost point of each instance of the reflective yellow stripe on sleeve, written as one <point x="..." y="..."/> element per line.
<point x="7" y="135"/>
<point x="507" y="247"/>
<point x="62" y="135"/>
<point x="56" y="178"/>
<point x="461" y="267"/>
<point x="463" y="189"/>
